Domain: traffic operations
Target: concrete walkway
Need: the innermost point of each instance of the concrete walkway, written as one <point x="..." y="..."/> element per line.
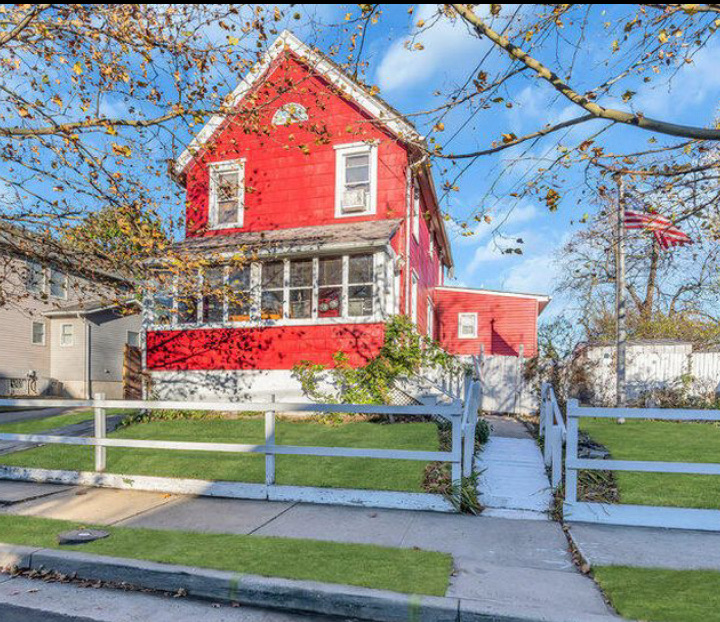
<point x="516" y="568"/>
<point x="645" y="547"/>
<point x="513" y="482"/>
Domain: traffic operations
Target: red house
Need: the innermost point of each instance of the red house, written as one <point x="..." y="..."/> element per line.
<point x="319" y="187"/>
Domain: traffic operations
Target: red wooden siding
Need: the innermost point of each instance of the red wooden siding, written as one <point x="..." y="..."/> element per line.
<point x="286" y="187"/>
<point x="504" y="322"/>
<point x="261" y="348"/>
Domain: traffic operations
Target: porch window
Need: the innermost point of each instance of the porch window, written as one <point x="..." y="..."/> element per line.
<point x="273" y="290"/>
<point x="467" y="325"/>
<point x="416" y="211"/>
<point x="187" y="307"/>
<point x="360" y="285"/>
<point x="330" y="287"/>
<point x="227" y="194"/>
<point x="356" y="179"/>
<point x="161" y="297"/>
<point x="239" y="293"/>
<point x="301" y="288"/>
<point x="213" y="305"/>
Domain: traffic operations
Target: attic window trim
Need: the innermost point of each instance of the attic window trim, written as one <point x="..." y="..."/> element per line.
<point x="215" y="169"/>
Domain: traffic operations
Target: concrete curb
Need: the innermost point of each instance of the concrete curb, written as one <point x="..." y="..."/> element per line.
<point x="272" y="593"/>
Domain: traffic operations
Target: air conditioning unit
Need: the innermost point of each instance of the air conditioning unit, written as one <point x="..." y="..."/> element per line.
<point x="354" y="201"/>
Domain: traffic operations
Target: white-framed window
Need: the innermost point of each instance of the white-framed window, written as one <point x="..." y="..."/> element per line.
<point x="58" y="284"/>
<point x="34" y="278"/>
<point x="467" y="325"/>
<point x="67" y="335"/>
<point x="416" y="206"/>
<point x="431" y="245"/>
<point x="430" y="319"/>
<point x="281" y="291"/>
<point x="133" y="339"/>
<point x="38" y="333"/>
<point x="414" y="298"/>
<point x="355" y="179"/>
<point x="227" y="194"/>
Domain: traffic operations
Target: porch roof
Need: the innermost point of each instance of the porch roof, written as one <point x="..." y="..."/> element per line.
<point x="340" y="236"/>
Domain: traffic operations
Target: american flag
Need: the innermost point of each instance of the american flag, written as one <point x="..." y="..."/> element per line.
<point x="665" y="232"/>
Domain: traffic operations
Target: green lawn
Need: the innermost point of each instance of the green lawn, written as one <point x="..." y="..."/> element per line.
<point x="34" y="426"/>
<point x="401" y="570"/>
<point x="657" y="595"/>
<point x="668" y="442"/>
<point x="290" y="470"/>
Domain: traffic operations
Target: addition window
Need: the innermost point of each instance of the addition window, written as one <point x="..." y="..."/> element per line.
<point x="38" y="333"/>
<point x="35" y="278"/>
<point x="356" y="179"/>
<point x="227" y="194"/>
<point x="301" y="288"/>
<point x="67" y="335"/>
<point x="360" y="285"/>
<point x="58" y="284"/>
<point x="467" y="325"/>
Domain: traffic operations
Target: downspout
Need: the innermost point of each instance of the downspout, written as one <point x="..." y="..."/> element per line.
<point x="408" y="224"/>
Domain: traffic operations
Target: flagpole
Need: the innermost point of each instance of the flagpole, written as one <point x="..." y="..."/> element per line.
<point x="620" y="310"/>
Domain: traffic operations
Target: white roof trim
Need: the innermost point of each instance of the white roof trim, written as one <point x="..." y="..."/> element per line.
<point x="324" y="67"/>
<point x="492" y="292"/>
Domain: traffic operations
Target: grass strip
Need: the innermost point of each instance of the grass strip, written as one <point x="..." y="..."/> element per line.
<point x="35" y="426"/>
<point x="409" y="571"/>
<point x="658" y="595"/>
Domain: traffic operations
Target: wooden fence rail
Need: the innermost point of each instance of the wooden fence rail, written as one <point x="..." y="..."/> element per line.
<point x="459" y="417"/>
<point x="634" y="515"/>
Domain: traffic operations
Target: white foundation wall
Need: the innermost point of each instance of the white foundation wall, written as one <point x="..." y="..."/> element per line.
<point x="230" y="385"/>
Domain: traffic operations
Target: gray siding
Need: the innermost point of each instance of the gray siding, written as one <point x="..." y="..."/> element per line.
<point x="108" y="336"/>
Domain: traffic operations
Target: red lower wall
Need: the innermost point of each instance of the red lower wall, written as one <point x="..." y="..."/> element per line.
<point x="261" y="348"/>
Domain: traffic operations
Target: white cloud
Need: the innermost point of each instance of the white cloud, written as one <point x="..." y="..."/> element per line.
<point x="446" y="43"/>
<point x="534" y="275"/>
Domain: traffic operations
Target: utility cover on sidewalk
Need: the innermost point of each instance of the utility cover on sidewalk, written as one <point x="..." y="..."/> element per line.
<point x="81" y="536"/>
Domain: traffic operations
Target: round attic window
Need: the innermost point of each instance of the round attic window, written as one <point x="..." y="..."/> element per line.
<point x="290" y="113"/>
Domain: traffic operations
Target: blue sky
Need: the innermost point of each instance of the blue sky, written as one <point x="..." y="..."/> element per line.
<point x="408" y="79"/>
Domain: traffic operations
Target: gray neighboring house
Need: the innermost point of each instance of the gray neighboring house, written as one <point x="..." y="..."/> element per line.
<point x="62" y="330"/>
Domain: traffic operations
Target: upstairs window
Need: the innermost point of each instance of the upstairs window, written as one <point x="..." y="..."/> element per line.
<point x="227" y="194"/>
<point x="467" y="325"/>
<point x="416" y="211"/>
<point x="58" y="284"/>
<point x="356" y="179"/>
<point x="35" y="278"/>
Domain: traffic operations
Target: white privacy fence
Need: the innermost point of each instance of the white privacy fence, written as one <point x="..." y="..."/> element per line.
<point x="552" y="429"/>
<point x="635" y="515"/>
<point x="461" y="420"/>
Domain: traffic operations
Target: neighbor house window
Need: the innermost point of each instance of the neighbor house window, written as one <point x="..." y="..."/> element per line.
<point x="58" y="284"/>
<point x="301" y="288"/>
<point x="38" y="333"/>
<point x="360" y="285"/>
<point x="330" y="289"/>
<point x="227" y="194"/>
<point x="356" y="179"/>
<point x="133" y="339"/>
<point x="35" y="278"/>
<point x="67" y="335"/>
<point x="467" y="325"/>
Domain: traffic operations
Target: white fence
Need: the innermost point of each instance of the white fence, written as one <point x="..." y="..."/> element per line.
<point x="649" y="366"/>
<point x="635" y="515"/>
<point x="504" y="388"/>
<point x="552" y="429"/>
<point x="462" y="420"/>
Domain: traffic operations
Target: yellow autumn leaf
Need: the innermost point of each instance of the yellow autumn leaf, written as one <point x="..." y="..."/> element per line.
<point x="121" y="150"/>
<point x="232" y="40"/>
<point x="439" y="127"/>
<point x="663" y="37"/>
<point x="77" y="68"/>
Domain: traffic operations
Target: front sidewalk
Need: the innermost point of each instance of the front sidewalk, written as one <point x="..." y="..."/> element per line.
<point x="504" y="567"/>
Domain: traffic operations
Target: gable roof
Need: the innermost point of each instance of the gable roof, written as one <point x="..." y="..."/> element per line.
<point x="372" y="104"/>
<point x="542" y="299"/>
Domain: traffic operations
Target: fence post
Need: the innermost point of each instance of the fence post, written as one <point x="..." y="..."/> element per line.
<point x="557" y="443"/>
<point x="100" y="433"/>
<point x="456" y="469"/>
<point x="270" y="445"/>
<point x="571" y="451"/>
